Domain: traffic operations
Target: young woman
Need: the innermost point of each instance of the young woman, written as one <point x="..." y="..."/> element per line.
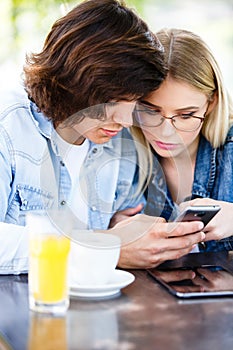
<point x="188" y="124"/>
<point x="65" y="143"/>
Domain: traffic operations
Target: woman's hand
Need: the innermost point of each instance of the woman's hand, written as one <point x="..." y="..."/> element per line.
<point x="148" y="241"/>
<point x="221" y="225"/>
<point x="124" y="214"/>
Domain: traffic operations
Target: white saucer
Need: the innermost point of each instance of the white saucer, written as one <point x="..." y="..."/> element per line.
<point x="120" y="279"/>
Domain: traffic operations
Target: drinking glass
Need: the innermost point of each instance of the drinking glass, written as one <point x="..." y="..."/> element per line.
<point x="49" y="246"/>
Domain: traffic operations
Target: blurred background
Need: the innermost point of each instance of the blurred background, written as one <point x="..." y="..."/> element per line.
<point x="25" y="23"/>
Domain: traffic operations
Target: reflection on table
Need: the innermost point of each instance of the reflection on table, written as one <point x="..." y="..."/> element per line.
<point x="143" y="316"/>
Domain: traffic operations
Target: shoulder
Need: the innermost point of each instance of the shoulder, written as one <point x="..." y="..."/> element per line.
<point x="13" y="100"/>
<point x="18" y="112"/>
<point x="229" y="137"/>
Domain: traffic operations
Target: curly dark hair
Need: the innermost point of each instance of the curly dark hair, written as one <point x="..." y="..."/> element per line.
<point x="100" y="51"/>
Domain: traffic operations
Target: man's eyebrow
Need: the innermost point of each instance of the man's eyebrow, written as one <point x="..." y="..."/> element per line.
<point x="148" y="104"/>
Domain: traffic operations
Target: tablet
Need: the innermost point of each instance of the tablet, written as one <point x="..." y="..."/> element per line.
<point x="200" y="280"/>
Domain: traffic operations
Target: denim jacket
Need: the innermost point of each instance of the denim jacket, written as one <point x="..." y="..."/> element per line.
<point x="213" y="178"/>
<point x="32" y="170"/>
<point x="34" y="176"/>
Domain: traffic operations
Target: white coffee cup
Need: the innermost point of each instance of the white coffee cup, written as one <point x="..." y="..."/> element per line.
<point x="93" y="258"/>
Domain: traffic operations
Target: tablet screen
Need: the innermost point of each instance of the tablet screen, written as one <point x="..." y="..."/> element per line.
<point x="203" y="281"/>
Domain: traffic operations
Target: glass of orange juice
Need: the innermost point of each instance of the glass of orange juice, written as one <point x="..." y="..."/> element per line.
<point x="49" y="247"/>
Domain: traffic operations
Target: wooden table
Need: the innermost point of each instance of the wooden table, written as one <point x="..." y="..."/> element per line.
<point x="143" y="316"/>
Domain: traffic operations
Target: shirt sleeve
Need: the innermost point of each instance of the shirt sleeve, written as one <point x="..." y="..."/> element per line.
<point x="13" y="249"/>
<point x="5" y="173"/>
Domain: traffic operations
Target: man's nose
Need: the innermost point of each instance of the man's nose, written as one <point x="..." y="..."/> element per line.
<point x="126" y="120"/>
<point x="124" y="116"/>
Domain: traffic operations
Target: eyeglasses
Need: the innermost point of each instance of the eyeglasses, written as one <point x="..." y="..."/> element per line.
<point x="149" y="117"/>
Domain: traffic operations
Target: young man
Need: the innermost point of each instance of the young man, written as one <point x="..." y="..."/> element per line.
<point x="63" y="143"/>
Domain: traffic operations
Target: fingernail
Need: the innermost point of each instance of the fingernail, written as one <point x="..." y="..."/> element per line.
<point x="202" y="236"/>
<point x="193" y="275"/>
<point x="200" y="225"/>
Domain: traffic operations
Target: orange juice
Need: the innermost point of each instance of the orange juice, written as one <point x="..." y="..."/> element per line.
<point x="48" y="267"/>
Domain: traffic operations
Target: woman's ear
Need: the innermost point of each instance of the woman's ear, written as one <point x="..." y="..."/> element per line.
<point x="212" y="103"/>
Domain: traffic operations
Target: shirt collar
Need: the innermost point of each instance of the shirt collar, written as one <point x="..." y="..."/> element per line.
<point x="44" y="125"/>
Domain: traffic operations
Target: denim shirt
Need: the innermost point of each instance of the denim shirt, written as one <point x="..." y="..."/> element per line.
<point x="213" y="178"/>
<point x="34" y="176"/>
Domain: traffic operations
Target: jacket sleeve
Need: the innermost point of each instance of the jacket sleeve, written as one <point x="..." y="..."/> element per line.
<point x="5" y="174"/>
<point x="13" y="238"/>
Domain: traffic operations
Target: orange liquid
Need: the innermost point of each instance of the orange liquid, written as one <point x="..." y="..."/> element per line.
<point x="48" y="268"/>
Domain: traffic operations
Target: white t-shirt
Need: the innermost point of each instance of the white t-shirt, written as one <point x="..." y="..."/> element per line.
<point x="73" y="156"/>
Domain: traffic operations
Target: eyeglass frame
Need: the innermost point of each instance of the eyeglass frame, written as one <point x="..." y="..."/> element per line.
<point x="170" y="118"/>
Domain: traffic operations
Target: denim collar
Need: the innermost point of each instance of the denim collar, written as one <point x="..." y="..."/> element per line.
<point x="205" y="169"/>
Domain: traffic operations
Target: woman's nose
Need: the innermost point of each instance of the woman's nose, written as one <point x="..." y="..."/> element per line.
<point x="166" y="128"/>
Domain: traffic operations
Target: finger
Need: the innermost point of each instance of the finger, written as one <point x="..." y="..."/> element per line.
<point x="158" y="220"/>
<point x="189" y="289"/>
<point x="166" y="243"/>
<point x="184" y="205"/>
<point x="198" y="281"/>
<point x="208" y="274"/>
<point x="174" y="248"/>
<point x="187" y="241"/>
<point x="175" y="275"/>
<point x="183" y="228"/>
<point x="133" y="210"/>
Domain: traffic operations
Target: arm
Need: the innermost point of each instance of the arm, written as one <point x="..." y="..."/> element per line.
<point x="13" y="238"/>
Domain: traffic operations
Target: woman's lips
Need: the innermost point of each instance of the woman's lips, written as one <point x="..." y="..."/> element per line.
<point x="166" y="146"/>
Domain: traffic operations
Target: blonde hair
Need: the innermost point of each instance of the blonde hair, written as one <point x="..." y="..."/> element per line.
<point x="189" y="59"/>
<point x="145" y="159"/>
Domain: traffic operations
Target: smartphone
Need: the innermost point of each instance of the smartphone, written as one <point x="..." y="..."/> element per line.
<point x="202" y="213"/>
